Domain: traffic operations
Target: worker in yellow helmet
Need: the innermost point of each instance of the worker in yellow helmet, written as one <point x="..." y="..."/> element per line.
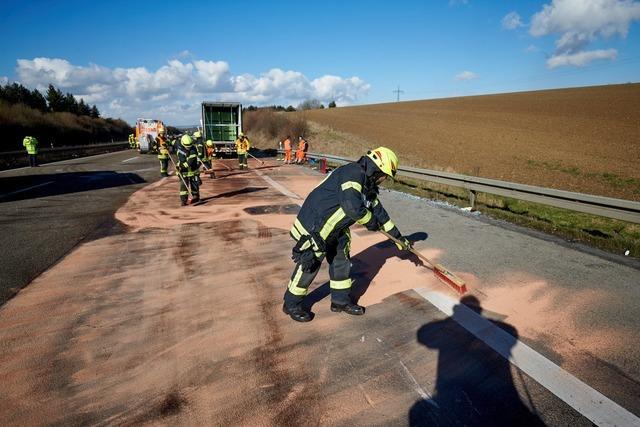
<point x="163" y="153"/>
<point x="321" y="229"/>
<point x="188" y="170"/>
<point x="242" y="147"/>
<point x="209" y="155"/>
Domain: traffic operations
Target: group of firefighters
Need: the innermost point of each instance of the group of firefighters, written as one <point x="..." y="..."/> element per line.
<point x="321" y="229"/>
<point x="192" y="153"/>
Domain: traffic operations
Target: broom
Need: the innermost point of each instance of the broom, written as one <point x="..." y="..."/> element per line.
<point x="439" y="270"/>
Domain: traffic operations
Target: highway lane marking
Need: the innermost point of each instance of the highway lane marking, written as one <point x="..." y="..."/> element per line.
<point x="292" y="196"/>
<point x="589" y="402"/>
<point x="128" y="160"/>
<point x="26" y="189"/>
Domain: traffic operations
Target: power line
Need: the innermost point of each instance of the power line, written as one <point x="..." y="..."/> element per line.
<point x="398" y="92"/>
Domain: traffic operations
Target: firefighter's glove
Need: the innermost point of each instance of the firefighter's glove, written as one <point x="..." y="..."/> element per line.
<point x="373" y="224"/>
<point x="404" y="244"/>
<point x="303" y="253"/>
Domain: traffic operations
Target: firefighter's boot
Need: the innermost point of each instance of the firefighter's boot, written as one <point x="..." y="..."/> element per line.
<point x="297" y="313"/>
<point x="350" y="308"/>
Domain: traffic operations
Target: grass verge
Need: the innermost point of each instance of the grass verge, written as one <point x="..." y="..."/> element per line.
<point x="603" y="233"/>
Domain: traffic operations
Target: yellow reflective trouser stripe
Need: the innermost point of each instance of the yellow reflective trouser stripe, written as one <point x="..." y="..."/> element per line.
<point x="388" y="225"/>
<point x="376" y="202"/>
<point x="293" y="284"/>
<point x="340" y="284"/>
<point x="352" y="184"/>
<point x="366" y="218"/>
<point x="183" y="193"/>
<point x="331" y="223"/>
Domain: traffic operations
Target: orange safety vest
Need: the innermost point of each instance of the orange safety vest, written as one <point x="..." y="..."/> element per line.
<point x="287" y="144"/>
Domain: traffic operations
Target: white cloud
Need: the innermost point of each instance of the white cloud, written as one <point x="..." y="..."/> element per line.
<point x="580" y="59"/>
<point x="466" y="75"/>
<point x="577" y="23"/>
<point x="4" y="80"/>
<point x="174" y="91"/>
<point x="511" y="21"/>
<point x="531" y="48"/>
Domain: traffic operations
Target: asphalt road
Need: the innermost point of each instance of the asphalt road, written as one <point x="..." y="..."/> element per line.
<point x="46" y="211"/>
<point x="178" y="318"/>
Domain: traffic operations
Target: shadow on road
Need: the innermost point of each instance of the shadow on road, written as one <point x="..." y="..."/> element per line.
<point x="365" y="267"/>
<point x="35" y="186"/>
<point x="474" y="384"/>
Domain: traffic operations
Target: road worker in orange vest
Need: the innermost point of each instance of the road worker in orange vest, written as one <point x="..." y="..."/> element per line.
<point x="301" y="153"/>
<point x="287" y="150"/>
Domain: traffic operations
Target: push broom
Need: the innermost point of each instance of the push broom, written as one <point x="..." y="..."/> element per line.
<point x="444" y="275"/>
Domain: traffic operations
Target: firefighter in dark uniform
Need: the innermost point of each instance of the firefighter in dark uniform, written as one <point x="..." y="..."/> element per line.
<point x="163" y="153"/>
<point x="199" y="144"/>
<point x="188" y="169"/>
<point x="321" y="229"/>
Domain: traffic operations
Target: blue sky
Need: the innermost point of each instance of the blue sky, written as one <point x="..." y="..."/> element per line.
<point x="161" y="59"/>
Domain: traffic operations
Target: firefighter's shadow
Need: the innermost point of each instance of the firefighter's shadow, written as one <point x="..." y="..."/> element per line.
<point x="365" y="266"/>
<point x="474" y="383"/>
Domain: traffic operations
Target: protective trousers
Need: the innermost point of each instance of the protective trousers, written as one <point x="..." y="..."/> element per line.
<point x="337" y="254"/>
<point x="242" y="161"/>
<point x="33" y="161"/>
<point x="192" y="181"/>
<point x="164" y="165"/>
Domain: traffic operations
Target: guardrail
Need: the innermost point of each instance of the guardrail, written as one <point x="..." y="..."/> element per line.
<point x="625" y="210"/>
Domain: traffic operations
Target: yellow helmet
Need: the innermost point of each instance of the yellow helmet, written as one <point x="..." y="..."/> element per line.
<point x="209" y="143"/>
<point x="241" y="134"/>
<point x="186" y="140"/>
<point x="385" y="159"/>
<point x="197" y="134"/>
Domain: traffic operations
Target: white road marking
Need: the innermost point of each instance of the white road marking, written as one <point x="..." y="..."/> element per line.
<point x="292" y="196"/>
<point x="592" y="404"/>
<point x="417" y="387"/>
<point x="26" y="189"/>
<point x="128" y="160"/>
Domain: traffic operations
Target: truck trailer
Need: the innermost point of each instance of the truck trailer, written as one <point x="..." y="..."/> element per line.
<point x="221" y="123"/>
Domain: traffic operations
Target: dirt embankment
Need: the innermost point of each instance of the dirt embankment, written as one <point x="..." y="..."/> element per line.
<point x="582" y="139"/>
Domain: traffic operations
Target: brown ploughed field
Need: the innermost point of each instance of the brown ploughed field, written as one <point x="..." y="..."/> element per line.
<point x="585" y="140"/>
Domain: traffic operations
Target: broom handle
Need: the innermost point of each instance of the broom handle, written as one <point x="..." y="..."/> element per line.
<point x="261" y="162"/>
<point x="413" y="251"/>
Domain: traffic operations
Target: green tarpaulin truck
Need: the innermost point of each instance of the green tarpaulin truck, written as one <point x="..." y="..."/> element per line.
<point x="221" y="123"/>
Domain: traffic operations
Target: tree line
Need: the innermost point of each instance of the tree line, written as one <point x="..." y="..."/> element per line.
<point x="54" y="100"/>
<point x="55" y="119"/>
<point x="308" y="104"/>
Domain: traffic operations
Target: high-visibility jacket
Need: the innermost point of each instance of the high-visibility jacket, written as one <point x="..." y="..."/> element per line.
<point x="210" y="153"/>
<point x="163" y="150"/>
<point x="31" y="144"/>
<point x="287" y="144"/>
<point x="188" y="164"/>
<point x="301" y="144"/>
<point x="242" y="145"/>
<point x="345" y="197"/>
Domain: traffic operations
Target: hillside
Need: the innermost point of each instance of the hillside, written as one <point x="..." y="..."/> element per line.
<point x="580" y="139"/>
